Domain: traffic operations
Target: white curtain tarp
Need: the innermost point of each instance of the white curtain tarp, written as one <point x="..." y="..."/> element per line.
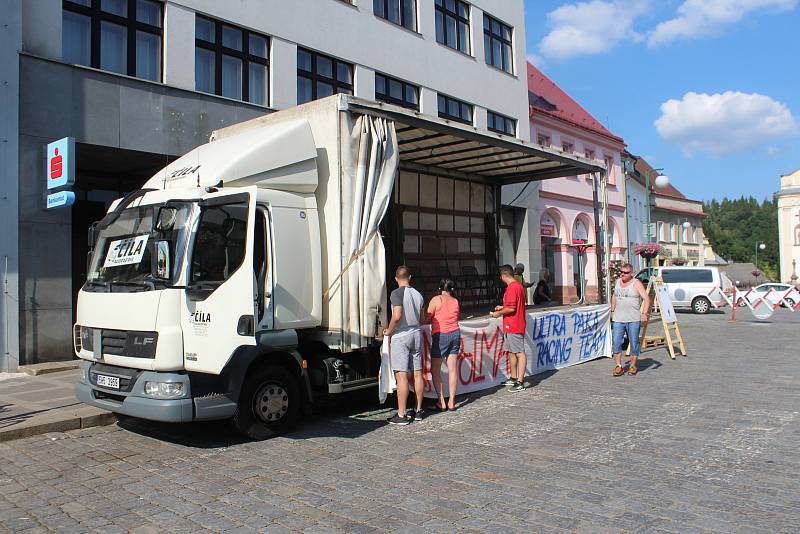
<point x="369" y="170"/>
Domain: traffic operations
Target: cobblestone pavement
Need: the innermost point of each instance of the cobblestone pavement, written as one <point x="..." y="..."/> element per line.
<point x="706" y="443"/>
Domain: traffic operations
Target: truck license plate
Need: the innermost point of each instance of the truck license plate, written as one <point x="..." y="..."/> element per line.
<point x="108" y="381"/>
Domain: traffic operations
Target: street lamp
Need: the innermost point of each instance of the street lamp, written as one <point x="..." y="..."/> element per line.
<point x="761" y="246"/>
<point x="661" y="182"/>
<point x="685" y="225"/>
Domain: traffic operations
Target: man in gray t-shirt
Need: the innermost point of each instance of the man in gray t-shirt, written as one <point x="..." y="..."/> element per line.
<point x="405" y="344"/>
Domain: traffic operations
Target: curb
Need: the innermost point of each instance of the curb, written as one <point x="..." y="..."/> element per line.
<point x="37" y="369"/>
<point x="63" y="425"/>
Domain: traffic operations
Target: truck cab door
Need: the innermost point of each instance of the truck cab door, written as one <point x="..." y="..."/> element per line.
<point x="262" y="267"/>
<point x="219" y="305"/>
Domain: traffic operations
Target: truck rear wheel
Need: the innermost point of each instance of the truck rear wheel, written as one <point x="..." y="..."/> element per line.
<point x="269" y="404"/>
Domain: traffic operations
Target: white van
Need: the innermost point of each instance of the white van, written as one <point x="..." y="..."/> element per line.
<point x="688" y="286"/>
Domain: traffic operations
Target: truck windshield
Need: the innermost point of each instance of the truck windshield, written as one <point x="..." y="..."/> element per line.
<point x="124" y="254"/>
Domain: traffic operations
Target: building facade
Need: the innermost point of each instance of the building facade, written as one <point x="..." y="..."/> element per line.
<point x="137" y="83"/>
<point x="789" y="226"/>
<point x="560" y="213"/>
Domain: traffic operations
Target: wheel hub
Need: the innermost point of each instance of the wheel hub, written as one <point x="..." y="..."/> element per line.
<point x="271" y="403"/>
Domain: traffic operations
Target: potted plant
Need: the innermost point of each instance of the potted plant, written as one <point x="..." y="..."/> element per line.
<point x="648" y="251"/>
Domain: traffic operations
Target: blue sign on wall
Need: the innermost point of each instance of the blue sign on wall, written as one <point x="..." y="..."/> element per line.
<point x="60" y="163"/>
<point x="62" y="199"/>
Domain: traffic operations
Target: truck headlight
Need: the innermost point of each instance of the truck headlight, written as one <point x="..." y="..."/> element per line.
<point x="164" y="390"/>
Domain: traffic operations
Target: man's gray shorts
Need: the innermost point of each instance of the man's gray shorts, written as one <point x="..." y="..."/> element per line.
<point x="514" y="342"/>
<point x="406" y="351"/>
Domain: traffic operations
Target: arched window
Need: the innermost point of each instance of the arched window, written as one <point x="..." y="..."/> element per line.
<point x="580" y="231"/>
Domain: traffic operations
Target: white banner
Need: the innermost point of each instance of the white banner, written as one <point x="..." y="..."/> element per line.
<point x="554" y="339"/>
<point x="126" y="251"/>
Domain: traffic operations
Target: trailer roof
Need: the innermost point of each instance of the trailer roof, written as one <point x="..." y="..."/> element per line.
<point x="463" y="151"/>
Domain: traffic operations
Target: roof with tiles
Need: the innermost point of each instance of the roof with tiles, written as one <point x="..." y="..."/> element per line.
<point x="547" y="98"/>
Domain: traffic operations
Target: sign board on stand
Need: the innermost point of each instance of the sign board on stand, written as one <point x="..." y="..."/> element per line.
<point x="661" y="305"/>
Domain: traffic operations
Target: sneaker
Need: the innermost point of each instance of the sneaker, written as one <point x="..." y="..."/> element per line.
<point x="509" y="382"/>
<point x="416" y="415"/>
<point x="397" y="420"/>
<point x="518" y="386"/>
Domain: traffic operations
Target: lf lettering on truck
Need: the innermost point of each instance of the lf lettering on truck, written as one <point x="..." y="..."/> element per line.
<point x="249" y="276"/>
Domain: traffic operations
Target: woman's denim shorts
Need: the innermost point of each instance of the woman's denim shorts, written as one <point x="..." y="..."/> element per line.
<point x="445" y="344"/>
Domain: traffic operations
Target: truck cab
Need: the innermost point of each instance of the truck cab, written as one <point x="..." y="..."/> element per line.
<point x="195" y="294"/>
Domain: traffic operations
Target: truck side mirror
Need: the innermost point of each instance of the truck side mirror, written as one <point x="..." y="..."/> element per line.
<point x="165" y="219"/>
<point x="163" y="263"/>
<point x="91" y="236"/>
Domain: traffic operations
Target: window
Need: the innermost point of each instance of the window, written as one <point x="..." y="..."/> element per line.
<point x="220" y="243"/>
<point x="497" y="44"/>
<point x="400" y="12"/>
<point x="609" y="163"/>
<point x="543" y="139"/>
<point x="567" y="147"/>
<point x="319" y="76"/>
<point x="453" y="109"/>
<point x="589" y="153"/>
<point x="500" y="123"/>
<point x="452" y="24"/>
<point x="122" y="36"/>
<point x="396" y="91"/>
<point x="687" y="276"/>
<point x="231" y="61"/>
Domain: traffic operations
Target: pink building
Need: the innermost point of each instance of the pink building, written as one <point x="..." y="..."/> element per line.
<point x="566" y="204"/>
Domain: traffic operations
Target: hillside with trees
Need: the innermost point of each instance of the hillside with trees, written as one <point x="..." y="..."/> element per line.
<point x="736" y="227"/>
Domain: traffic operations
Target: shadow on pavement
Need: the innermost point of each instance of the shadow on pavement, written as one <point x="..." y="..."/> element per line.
<point x="643" y="364"/>
<point x="350" y="415"/>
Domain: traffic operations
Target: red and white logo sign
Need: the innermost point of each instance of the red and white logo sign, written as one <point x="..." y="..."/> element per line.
<point x="56" y="165"/>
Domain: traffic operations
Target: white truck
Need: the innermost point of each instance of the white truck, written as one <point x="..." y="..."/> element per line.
<point x="250" y="275"/>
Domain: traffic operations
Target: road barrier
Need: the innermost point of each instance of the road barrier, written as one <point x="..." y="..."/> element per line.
<point x="758" y="304"/>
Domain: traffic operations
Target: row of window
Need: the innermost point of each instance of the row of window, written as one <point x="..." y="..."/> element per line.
<point x="669" y="232"/>
<point x="124" y="36"/>
<point x="568" y="147"/>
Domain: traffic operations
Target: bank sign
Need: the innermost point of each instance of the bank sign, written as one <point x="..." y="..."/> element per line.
<point x="60" y="173"/>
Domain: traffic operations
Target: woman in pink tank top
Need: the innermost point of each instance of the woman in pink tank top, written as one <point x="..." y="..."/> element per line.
<point x="445" y="342"/>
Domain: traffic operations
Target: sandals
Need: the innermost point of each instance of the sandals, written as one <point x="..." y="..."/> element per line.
<point x="618" y="370"/>
<point x="632" y="370"/>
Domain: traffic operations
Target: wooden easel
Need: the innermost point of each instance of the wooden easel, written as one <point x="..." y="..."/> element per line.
<point x="665" y="311"/>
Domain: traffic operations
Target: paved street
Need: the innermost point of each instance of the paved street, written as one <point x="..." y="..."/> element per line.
<point x="706" y="443"/>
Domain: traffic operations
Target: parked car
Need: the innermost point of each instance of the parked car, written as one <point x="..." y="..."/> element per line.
<point x="688" y="286"/>
<point x="773" y="293"/>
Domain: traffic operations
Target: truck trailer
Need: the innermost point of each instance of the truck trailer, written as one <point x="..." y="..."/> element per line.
<point x="249" y="276"/>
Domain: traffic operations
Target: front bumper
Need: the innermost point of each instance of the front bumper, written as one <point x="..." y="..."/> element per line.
<point x="131" y="400"/>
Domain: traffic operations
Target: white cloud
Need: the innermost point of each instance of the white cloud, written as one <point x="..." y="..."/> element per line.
<point x="724" y="123"/>
<point x="591" y="27"/>
<point x="705" y="18"/>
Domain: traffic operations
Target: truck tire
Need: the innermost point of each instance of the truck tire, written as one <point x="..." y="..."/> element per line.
<point x="701" y="305"/>
<point x="269" y="404"/>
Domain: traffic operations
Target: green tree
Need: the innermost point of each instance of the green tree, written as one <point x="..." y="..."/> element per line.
<point x="735" y="227"/>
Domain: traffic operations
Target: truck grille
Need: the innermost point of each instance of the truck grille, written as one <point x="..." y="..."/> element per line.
<point x="114" y="342"/>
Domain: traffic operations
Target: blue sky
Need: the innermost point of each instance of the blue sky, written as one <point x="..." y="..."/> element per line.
<point x="707" y="89"/>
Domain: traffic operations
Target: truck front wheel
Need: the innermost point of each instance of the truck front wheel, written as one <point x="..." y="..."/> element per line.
<point x="269" y="403"/>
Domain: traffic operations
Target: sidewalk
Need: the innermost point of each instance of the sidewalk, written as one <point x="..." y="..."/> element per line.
<point x="31" y="405"/>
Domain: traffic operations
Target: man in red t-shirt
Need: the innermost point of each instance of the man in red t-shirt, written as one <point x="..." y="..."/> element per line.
<point x="513" y="313"/>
